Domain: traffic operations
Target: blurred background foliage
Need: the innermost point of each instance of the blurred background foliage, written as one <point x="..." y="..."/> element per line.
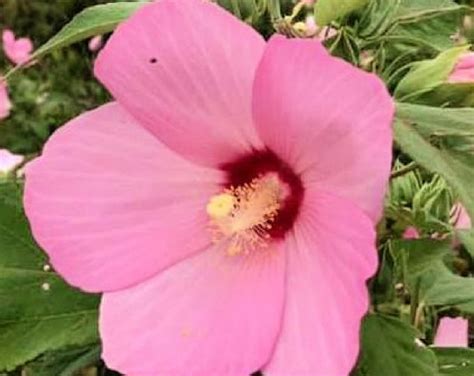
<point x="57" y="88"/>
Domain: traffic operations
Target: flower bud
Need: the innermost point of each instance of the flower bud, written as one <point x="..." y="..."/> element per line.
<point x="463" y="72"/>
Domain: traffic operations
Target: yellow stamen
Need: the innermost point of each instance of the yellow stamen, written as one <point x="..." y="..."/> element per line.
<point x="220" y="205"/>
<point x="243" y="215"/>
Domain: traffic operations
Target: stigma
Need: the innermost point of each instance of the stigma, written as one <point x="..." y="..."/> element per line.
<point x="243" y="216"/>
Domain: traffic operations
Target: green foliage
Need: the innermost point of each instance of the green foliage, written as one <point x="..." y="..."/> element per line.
<point x="455" y="361"/>
<point x="436" y="138"/>
<point x="39" y="312"/>
<point x="64" y="362"/>
<point x="426" y="75"/>
<point x="429" y="278"/>
<point x="389" y="349"/>
<point x="96" y="20"/>
<point x="326" y="11"/>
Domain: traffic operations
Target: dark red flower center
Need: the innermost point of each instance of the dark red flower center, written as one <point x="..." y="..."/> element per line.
<point x="260" y="163"/>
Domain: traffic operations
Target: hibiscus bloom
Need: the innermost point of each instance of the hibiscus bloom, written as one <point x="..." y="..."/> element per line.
<point x="225" y="203"/>
<point x="17" y="50"/>
<point x="463" y="72"/>
<point x="452" y="332"/>
<point x="5" y="104"/>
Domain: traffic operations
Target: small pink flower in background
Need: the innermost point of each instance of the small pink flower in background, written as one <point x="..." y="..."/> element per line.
<point x="411" y="233"/>
<point x="460" y="217"/>
<point x="5" y="104"/>
<point x="216" y="204"/>
<point x="9" y="161"/>
<point x="17" y="50"/>
<point x="452" y="332"/>
<point x="95" y="43"/>
<point x="464" y="70"/>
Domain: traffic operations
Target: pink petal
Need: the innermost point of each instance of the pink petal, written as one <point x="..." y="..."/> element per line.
<point x="466" y="61"/>
<point x="184" y="69"/>
<point x="329" y="120"/>
<point x="463" y="72"/>
<point x="452" y="332"/>
<point x="5" y="104"/>
<point x="111" y="205"/>
<point x="331" y="254"/>
<point x="463" y="221"/>
<point x="213" y="314"/>
<point x="9" y="161"/>
<point x="411" y="233"/>
<point x="8" y="37"/>
<point x="18" y="51"/>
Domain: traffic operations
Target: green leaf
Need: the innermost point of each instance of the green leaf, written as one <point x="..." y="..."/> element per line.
<point x="330" y="10"/>
<point x="429" y="277"/>
<point x="415" y="10"/>
<point x="428" y="74"/>
<point x="249" y="11"/>
<point x="455" y="361"/>
<point x="95" y="20"/>
<point x="64" y="362"/>
<point x="447" y="94"/>
<point x="412" y="23"/>
<point x="389" y="349"/>
<point x="39" y="312"/>
<point x="467" y="238"/>
<point x="424" y="133"/>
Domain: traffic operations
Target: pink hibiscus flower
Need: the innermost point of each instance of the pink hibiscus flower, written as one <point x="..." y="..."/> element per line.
<point x="17" y="50"/>
<point x="464" y="70"/>
<point x="5" y="104"/>
<point x="227" y="215"/>
<point x="452" y="332"/>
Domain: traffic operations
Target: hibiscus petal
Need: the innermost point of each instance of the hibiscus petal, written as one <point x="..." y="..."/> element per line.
<point x="329" y="120"/>
<point x="17" y="50"/>
<point x="8" y="37"/>
<point x="452" y="332"/>
<point x="185" y="69"/>
<point x="213" y="314"/>
<point x="5" y="104"/>
<point x="331" y="253"/>
<point x="111" y="205"/>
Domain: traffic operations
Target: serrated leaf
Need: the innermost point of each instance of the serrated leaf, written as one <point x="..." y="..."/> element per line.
<point x="419" y="131"/>
<point x="39" y="312"/>
<point x="455" y="361"/>
<point x="330" y="10"/>
<point x="389" y="349"/>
